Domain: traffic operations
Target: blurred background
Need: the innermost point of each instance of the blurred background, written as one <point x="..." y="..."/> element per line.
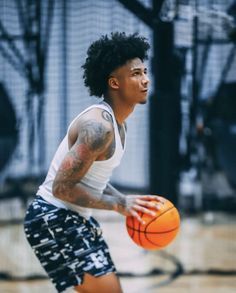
<point x="181" y="144"/>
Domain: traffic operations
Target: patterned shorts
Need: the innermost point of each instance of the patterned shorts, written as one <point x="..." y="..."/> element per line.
<point x="66" y="244"/>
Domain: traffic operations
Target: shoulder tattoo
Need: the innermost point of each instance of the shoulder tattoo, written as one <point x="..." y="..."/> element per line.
<point x="106" y="116"/>
<point x="94" y="134"/>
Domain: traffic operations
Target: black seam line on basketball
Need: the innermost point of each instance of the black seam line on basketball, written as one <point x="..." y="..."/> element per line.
<point x="133" y="225"/>
<point x="154" y="219"/>
<point x="140" y="241"/>
<point x="155" y="244"/>
<point x="158" y="245"/>
<point x="147" y="232"/>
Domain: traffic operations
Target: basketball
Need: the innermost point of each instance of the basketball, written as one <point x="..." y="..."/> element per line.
<point x="158" y="231"/>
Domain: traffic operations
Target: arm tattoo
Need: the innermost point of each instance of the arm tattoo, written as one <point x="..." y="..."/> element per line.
<point x="72" y="169"/>
<point x="92" y="139"/>
<point x="74" y="161"/>
<point x="94" y="134"/>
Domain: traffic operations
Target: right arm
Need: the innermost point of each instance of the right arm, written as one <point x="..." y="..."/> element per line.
<point x="94" y="138"/>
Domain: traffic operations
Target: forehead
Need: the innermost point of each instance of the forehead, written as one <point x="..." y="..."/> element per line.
<point x="129" y="66"/>
<point x="134" y="63"/>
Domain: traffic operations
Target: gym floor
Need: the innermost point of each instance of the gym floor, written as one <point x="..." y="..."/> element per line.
<point x="201" y="259"/>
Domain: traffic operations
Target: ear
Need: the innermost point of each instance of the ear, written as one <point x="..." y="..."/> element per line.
<point x="113" y="83"/>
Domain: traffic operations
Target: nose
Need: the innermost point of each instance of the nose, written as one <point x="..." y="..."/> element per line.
<point x="145" y="80"/>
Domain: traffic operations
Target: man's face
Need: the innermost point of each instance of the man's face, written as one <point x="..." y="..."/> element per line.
<point x="132" y="82"/>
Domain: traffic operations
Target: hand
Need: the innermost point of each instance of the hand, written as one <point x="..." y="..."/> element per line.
<point x="131" y="205"/>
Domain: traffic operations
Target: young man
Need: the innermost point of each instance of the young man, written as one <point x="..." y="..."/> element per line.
<point x="64" y="236"/>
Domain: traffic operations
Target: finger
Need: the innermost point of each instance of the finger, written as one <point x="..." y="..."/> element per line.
<point x="149" y="204"/>
<point x="137" y="216"/>
<point x="161" y="199"/>
<point x="154" y="197"/>
<point x="144" y="210"/>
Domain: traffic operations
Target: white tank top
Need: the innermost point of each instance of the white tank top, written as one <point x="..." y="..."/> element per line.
<point x="96" y="177"/>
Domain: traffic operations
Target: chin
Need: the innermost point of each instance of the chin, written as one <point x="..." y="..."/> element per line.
<point x="143" y="99"/>
<point x="143" y="102"/>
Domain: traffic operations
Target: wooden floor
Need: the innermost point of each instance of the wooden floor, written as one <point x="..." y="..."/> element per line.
<point x="203" y="256"/>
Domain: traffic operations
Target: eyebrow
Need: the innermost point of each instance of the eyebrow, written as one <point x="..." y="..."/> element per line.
<point x="138" y="68"/>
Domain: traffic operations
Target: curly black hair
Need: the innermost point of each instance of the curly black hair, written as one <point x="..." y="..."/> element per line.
<point x="109" y="53"/>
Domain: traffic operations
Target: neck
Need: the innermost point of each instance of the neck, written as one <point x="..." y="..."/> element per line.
<point x="120" y="109"/>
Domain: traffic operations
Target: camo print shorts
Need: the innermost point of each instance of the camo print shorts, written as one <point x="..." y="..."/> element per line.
<point x="66" y="244"/>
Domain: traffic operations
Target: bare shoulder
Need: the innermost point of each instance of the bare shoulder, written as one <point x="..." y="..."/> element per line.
<point x="95" y="129"/>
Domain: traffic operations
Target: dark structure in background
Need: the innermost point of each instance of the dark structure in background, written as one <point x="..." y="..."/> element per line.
<point x="34" y="37"/>
<point x="165" y="115"/>
<point x="165" y="102"/>
<point x="208" y="93"/>
<point x="8" y="129"/>
<point x="221" y="119"/>
<point x="221" y="114"/>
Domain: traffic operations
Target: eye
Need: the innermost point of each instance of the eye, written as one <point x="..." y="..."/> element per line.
<point x="136" y="73"/>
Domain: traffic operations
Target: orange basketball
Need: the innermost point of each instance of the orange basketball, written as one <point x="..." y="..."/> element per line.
<point x="158" y="231"/>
